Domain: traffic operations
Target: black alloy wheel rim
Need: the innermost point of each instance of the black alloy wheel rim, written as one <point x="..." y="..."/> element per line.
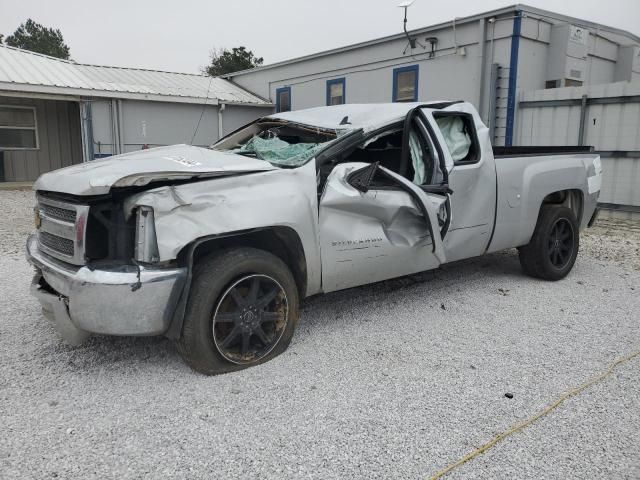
<point x="250" y="318"/>
<point x="560" y="243"/>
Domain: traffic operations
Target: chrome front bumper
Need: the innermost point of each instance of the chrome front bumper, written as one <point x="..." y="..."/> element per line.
<point x="121" y="300"/>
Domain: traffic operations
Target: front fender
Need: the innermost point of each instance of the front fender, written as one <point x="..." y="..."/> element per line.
<point x="284" y="197"/>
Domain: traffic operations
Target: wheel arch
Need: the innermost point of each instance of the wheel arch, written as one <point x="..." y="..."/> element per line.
<point x="281" y="241"/>
<point x="572" y="198"/>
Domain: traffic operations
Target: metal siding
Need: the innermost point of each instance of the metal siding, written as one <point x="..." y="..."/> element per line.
<point x="63" y="134"/>
<point x="59" y="140"/>
<point x="609" y="127"/>
<point x="368" y="71"/>
<point x="160" y="123"/>
<point x="75" y="134"/>
<point x="235" y="117"/>
<point x="52" y="157"/>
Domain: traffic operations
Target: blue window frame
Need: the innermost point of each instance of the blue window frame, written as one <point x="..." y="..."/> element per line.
<point x="405" y="84"/>
<point x="283" y="99"/>
<point x="336" y="91"/>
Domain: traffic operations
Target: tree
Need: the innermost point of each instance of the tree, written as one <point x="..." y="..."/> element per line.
<point x="225" y="61"/>
<point x="38" y="38"/>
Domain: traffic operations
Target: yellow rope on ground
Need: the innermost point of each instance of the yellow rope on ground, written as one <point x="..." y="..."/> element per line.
<point x="529" y="421"/>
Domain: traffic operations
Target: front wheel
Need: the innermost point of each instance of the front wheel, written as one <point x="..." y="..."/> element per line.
<point x="242" y="311"/>
<point x="553" y="249"/>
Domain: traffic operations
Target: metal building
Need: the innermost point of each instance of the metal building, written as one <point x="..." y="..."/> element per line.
<point x="497" y="60"/>
<point x="55" y="113"/>
<point x="605" y="116"/>
<point x="536" y="77"/>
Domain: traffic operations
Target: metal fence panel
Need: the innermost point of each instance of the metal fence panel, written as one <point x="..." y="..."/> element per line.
<point x="611" y="125"/>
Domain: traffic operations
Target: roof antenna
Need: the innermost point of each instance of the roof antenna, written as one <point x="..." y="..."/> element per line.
<point x="411" y="41"/>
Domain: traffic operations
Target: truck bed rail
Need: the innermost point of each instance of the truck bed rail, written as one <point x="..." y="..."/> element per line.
<point x="540" y="150"/>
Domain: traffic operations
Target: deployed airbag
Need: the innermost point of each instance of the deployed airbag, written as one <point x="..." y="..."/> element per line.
<point x="455" y="136"/>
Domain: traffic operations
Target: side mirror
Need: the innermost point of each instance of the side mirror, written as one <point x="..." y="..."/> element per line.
<point x="361" y="179"/>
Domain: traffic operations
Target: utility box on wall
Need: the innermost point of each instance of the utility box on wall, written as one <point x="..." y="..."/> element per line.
<point x="568" y="49"/>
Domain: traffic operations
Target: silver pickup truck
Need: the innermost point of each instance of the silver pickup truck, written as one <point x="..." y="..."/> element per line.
<point x="215" y="247"/>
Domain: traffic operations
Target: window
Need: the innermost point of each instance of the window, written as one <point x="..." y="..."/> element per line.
<point x="283" y="144"/>
<point x="421" y="166"/>
<point x="336" y="91"/>
<point x="572" y="83"/>
<point x="18" y="128"/>
<point x="283" y="99"/>
<point x="460" y="137"/>
<point x="405" y="84"/>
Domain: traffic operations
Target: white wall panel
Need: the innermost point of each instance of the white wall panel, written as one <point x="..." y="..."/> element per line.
<point x="611" y="127"/>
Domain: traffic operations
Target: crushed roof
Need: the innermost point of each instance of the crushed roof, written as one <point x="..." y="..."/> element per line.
<point x="367" y="116"/>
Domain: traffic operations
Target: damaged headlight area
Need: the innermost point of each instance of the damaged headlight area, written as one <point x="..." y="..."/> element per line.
<point x="112" y="237"/>
<point x="115" y="237"/>
<point x="146" y="242"/>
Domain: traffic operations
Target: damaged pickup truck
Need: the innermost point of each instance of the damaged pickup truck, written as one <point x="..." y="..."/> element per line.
<point x="215" y="247"/>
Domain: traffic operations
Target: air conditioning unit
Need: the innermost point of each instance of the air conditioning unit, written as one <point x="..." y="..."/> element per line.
<point x="568" y="49"/>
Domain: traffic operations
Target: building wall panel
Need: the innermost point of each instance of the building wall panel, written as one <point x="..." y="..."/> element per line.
<point x="613" y="127"/>
<point x="58" y="138"/>
<point x="235" y="117"/>
<point x="159" y="123"/>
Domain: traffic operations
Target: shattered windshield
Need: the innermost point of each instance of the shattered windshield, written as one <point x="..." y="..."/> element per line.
<point x="277" y="142"/>
<point x="278" y="151"/>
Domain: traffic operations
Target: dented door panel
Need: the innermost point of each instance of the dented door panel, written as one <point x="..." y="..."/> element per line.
<point x="371" y="236"/>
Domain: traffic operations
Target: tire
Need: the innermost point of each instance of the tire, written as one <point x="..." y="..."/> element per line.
<point x="220" y="314"/>
<point x="553" y="249"/>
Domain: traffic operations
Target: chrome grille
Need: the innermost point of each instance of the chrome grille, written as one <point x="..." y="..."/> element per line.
<point x="59" y="213"/>
<point x="61" y="229"/>
<point x="59" y="244"/>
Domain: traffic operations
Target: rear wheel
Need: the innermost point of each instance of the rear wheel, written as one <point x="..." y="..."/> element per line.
<point x="553" y="249"/>
<point x="242" y="311"/>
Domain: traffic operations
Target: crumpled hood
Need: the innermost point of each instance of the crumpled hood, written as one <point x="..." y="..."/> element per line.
<point x="177" y="162"/>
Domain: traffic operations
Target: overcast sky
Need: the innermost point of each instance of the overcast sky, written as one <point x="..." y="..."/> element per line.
<point x="178" y="35"/>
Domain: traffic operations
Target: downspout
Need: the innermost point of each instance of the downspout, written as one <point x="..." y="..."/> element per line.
<point x="513" y="78"/>
<point x="86" y="129"/>
<point x="221" y="109"/>
<point x="482" y="27"/>
<point x="120" y="126"/>
<point x="583" y="117"/>
<point x="115" y="128"/>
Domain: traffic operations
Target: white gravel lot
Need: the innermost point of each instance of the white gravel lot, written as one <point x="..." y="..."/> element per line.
<point x="393" y="380"/>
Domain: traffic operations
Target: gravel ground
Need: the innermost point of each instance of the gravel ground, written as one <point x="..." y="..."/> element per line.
<point x="392" y="380"/>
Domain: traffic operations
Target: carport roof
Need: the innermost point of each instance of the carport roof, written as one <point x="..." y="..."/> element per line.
<point x="34" y="73"/>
